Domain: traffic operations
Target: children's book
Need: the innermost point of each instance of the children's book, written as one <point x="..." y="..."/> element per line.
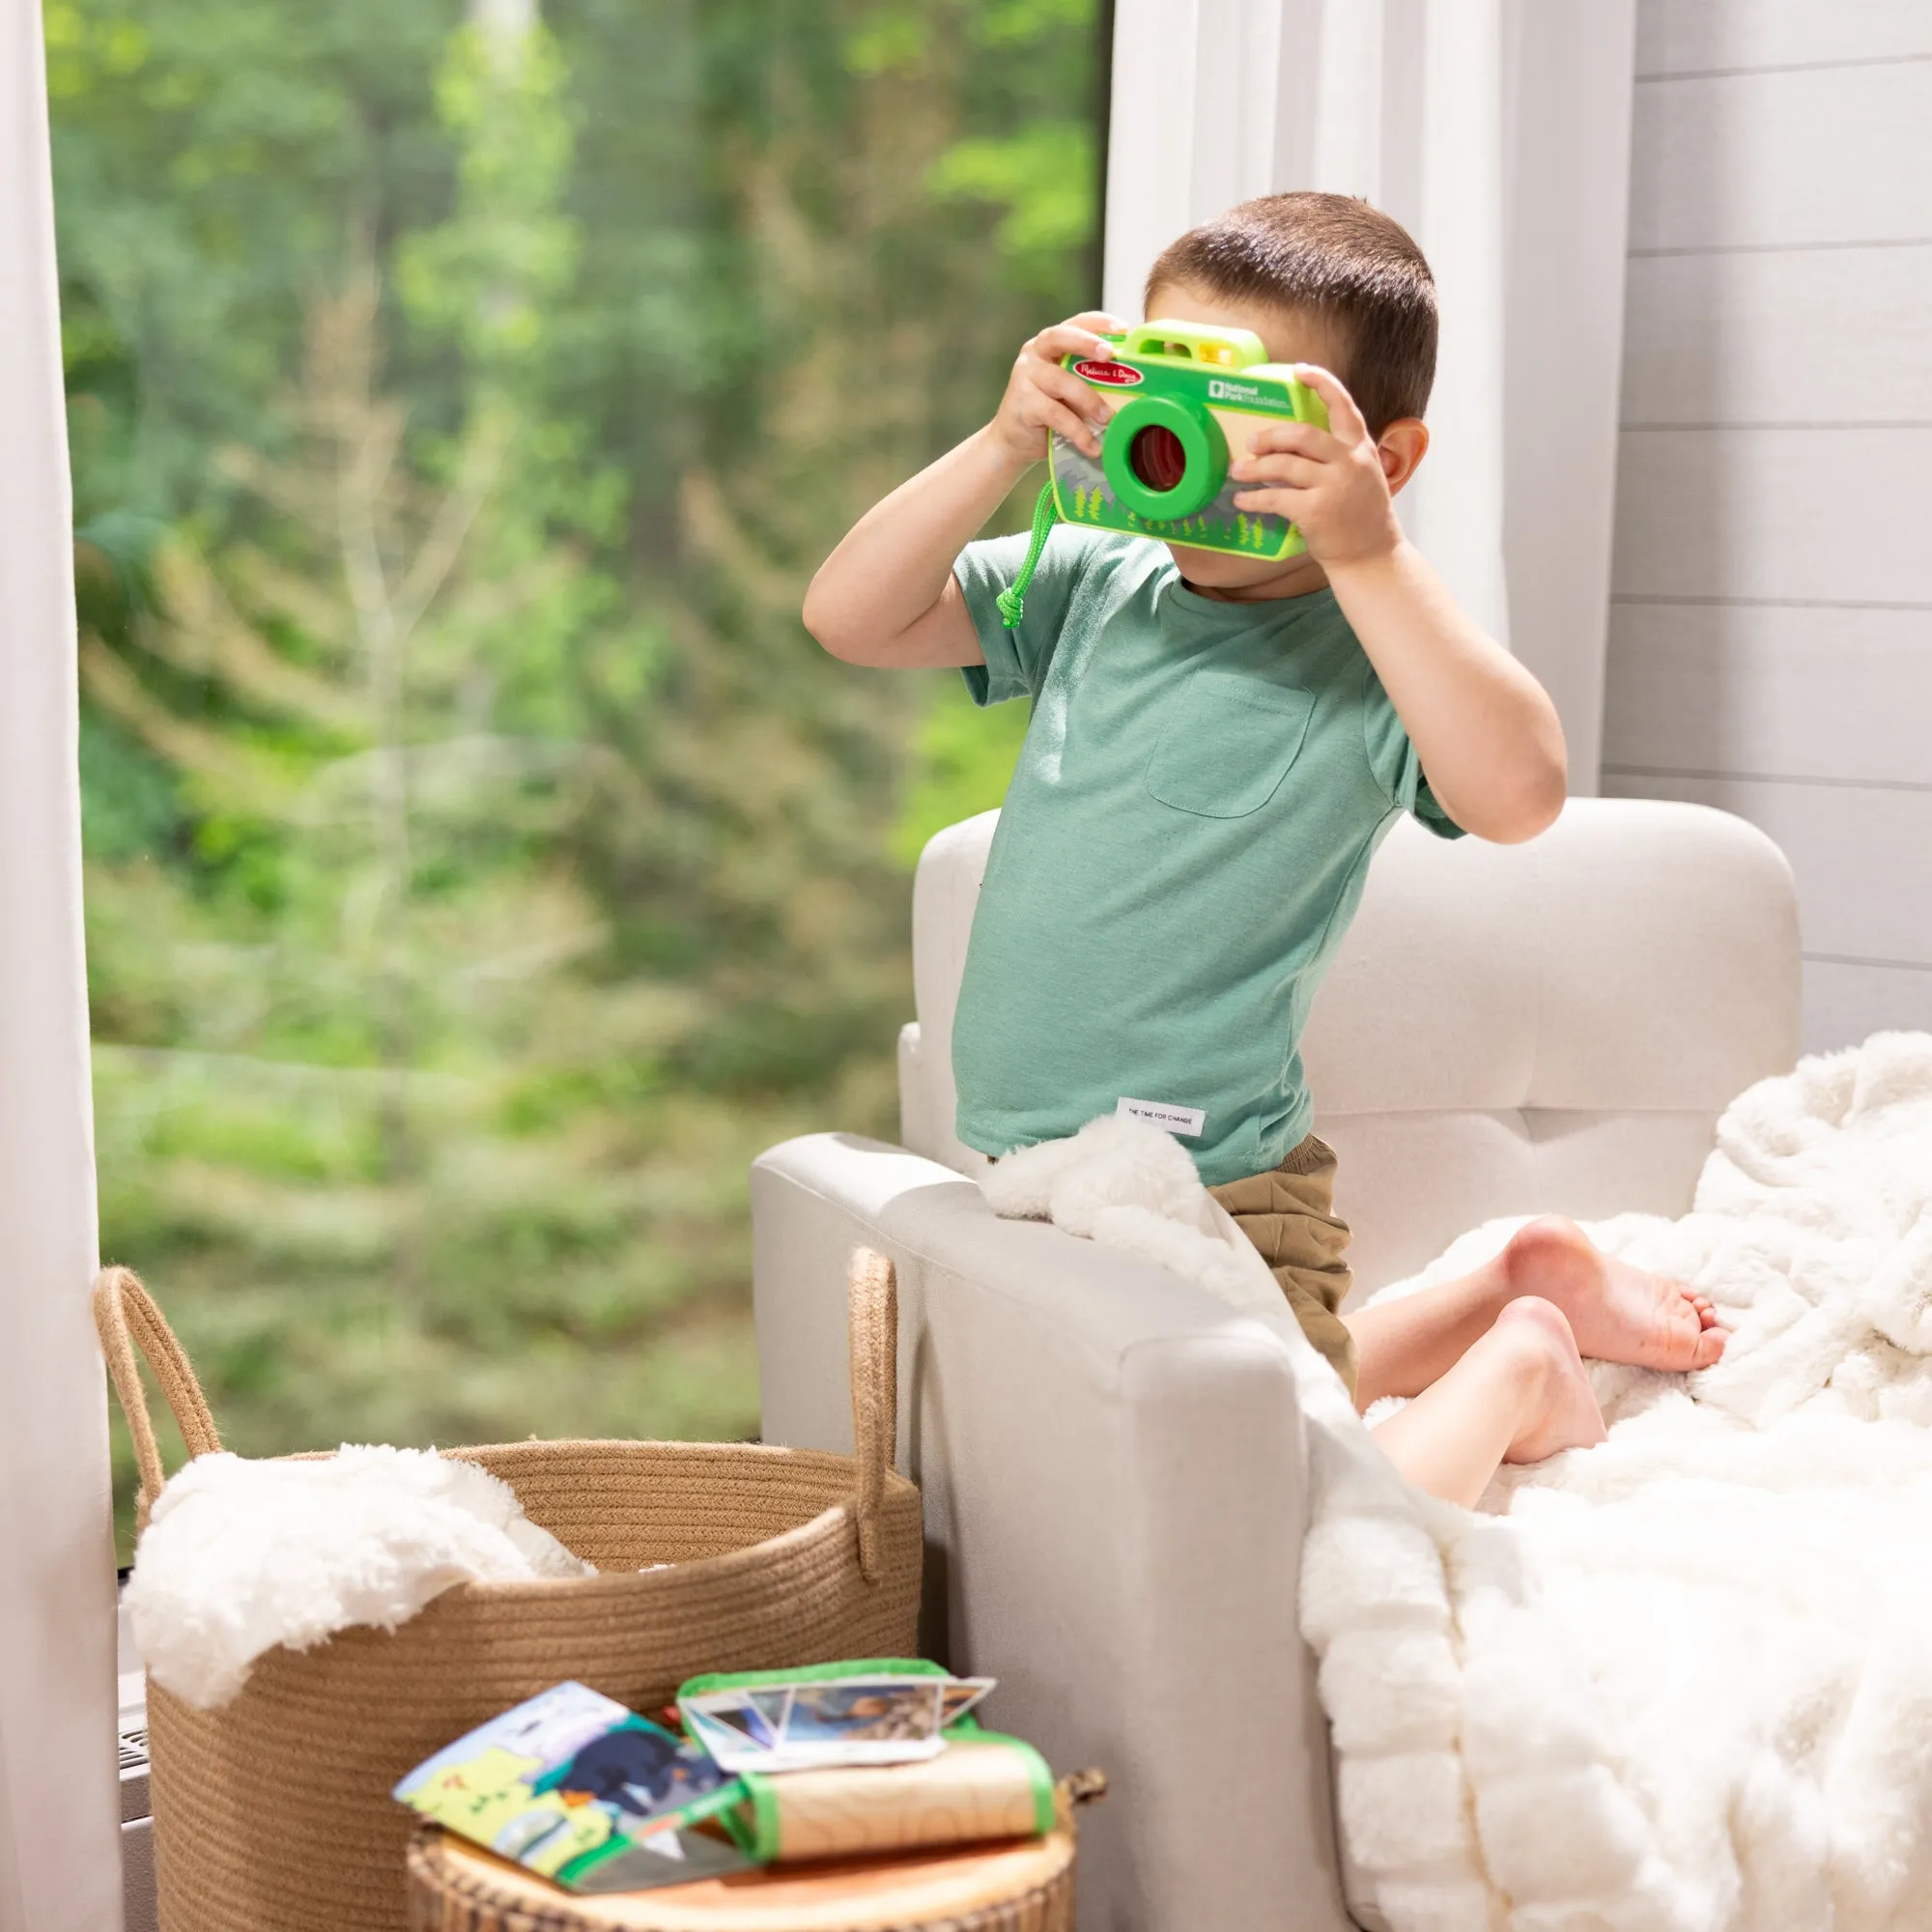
<point x="572" y="1786"/>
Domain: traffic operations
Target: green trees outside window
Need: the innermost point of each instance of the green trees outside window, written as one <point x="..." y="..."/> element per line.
<point x="482" y="865"/>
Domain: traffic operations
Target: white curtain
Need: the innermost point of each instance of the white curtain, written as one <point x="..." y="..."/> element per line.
<point x="1497" y="131"/>
<point x="60" y="1842"/>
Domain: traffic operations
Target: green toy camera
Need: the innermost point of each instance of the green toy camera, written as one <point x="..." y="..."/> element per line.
<point x="1192" y="400"/>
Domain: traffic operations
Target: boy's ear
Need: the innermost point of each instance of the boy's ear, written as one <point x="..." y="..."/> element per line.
<point x="1401" y="446"/>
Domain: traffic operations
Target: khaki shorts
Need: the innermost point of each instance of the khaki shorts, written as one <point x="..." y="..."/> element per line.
<point x="1289" y="1213"/>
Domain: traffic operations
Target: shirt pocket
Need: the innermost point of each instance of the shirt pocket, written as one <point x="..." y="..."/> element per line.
<point x="1227" y="745"/>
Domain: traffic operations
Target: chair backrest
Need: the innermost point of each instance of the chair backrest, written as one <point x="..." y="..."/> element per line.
<point x="1544" y="1028"/>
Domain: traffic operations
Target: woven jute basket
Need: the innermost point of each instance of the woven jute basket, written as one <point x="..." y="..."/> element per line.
<point x="272" y="1813"/>
<point x="1023" y="1886"/>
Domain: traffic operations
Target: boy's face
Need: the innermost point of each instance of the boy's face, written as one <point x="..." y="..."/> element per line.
<point x="1287" y="337"/>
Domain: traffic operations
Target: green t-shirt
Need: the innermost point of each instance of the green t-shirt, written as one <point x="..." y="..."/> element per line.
<point x="1183" y="844"/>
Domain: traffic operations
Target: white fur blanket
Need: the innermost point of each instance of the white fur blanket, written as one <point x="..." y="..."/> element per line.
<point x="1680" y="1682"/>
<point x="241" y="1556"/>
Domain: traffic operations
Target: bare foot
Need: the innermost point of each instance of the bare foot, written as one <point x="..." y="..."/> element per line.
<point x="1617" y="1313"/>
<point x="1564" y="1414"/>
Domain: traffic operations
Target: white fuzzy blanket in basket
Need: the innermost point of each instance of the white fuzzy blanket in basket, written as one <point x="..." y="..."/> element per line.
<point x="240" y="1557"/>
<point x="1680" y="1682"/>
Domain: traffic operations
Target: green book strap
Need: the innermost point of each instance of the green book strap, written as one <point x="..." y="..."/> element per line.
<point x="810" y="1673"/>
<point x="1012" y="600"/>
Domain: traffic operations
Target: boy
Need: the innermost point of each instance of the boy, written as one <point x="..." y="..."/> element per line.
<point x="1219" y="744"/>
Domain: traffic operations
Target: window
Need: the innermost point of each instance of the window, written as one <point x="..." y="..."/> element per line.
<point x="482" y="863"/>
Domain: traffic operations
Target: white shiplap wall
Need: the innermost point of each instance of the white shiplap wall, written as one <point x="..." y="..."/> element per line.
<point x="1771" y="624"/>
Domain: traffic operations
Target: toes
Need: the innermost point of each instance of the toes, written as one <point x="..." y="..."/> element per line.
<point x="1709" y="1349"/>
<point x="1706" y="1309"/>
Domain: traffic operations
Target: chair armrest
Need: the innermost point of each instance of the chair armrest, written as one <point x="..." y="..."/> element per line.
<point x="1112" y="1470"/>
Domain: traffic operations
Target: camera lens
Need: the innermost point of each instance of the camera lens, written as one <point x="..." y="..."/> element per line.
<point x="1157" y="458"/>
<point x="1164" y="458"/>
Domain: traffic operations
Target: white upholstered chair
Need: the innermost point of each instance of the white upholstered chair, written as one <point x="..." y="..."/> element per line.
<point x="1112" y="1461"/>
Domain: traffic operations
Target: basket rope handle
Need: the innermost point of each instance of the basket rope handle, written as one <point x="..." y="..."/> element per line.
<point x="125" y="1318"/>
<point x="1075" y="1789"/>
<point x="873" y="1301"/>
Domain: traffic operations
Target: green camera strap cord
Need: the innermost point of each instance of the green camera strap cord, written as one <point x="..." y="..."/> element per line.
<point x="1012" y="600"/>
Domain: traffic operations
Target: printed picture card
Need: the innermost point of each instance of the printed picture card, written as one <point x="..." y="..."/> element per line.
<point x="819" y="1721"/>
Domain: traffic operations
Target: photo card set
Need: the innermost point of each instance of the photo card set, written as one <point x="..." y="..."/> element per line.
<point x="817" y="1721"/>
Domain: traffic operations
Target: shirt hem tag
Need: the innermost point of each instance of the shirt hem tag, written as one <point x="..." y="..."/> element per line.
<point x="1188" y="1123"/>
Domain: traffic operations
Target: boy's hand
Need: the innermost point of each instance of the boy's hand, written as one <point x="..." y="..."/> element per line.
<point x="1041" y="396"/>
<point x="1330" y="482"/>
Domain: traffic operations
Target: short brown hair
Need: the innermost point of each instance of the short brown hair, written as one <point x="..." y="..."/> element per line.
<point x="1333" y="257"/>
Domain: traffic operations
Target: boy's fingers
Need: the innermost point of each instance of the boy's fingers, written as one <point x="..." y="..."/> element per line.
<point x="1061" y="422"/>
<point x="1098" y="321"/>
<point x="1289" y="440"/>
<point x="1079" y="397"/>
<point x="1301" y="473"/>
<point x="1345" y="419"/>
<point x="1064" y="385"/>
<point x="1283" y="502"/>
<point x="1066" y="339"/>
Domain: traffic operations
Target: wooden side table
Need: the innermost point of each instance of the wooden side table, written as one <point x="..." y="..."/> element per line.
<point x="1024" y="1886"/>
